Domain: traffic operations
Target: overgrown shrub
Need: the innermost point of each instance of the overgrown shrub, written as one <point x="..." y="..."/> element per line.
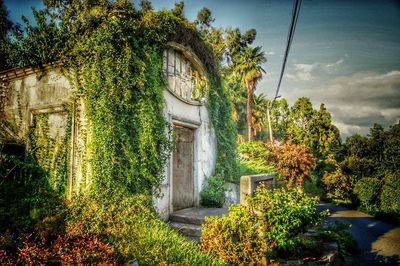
<point x="390" y="196"/>
<point x="213" y="192"/>
<point x="293" y="162"/>
<point x="367" y="190"/>
<point x="272" y="222"/>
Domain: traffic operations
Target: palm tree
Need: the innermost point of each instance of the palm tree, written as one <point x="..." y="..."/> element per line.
<point x="248" y="66"/>
<point x="260" y="105"/>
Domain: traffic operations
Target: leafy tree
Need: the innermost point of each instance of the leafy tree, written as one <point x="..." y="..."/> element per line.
<point x="356" y="145"/>
<point x="301" y="114"/>
<point x="6" y="26"/>
<point x="280" y="119"/>
<point x="178" y="9"/>
<point x="323" y="135"/>
<point x="41" y="43"/>
<point x="204" y="18"/>
<point x="391" y="152"/>
<point x="146" y="5"/>
<point x="250" y="70"/>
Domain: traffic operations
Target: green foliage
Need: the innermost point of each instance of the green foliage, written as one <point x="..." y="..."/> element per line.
<point x="286" y="213"/>
<point x="339" y="233"/>
<point x="51" y="153"/>
<point x="213" y="192"/>
<point x="376" y="155"/>
<point x="220" y="110"/>
<point x="313" y="128"/>
<point x="112" y="54"/>
<point x="33" y="183"/>
<point x="367" y="190"/>
<point x="272" y="223"/>
<point x="254" y="158"/>
<point x="390" y="196"/>
<point x="311" y="188"/>
<point x="6" y="26"/>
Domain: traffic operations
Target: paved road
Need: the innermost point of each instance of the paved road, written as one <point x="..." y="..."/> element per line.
<point x="378" y="242"/>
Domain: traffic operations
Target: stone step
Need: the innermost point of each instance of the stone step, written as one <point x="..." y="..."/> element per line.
<point x="195" y="215"/>
<point x="189" y="230"/>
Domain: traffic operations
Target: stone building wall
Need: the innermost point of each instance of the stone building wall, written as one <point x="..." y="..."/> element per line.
<point x="29" y="93"/>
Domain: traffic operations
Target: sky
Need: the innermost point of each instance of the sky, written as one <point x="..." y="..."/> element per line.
<point x="345" y="54"/>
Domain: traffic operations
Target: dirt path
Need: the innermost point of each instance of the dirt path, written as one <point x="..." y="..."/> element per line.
<point x="378" y="242"/>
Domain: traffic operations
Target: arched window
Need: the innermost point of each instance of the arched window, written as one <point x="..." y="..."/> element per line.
<point x="184" y="80"/>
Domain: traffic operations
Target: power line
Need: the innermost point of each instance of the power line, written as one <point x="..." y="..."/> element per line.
<point x="292" y="28"/>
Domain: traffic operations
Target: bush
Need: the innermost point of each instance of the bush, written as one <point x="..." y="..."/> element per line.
<point x="293" y="162"/>
<point x="272" y="222"/>
<point x="213" y="193"/>
<point x="390" y="196"/>
<point x="235" y="238"/>
<point x="338" y="185"/>
<point x="367" y="190"/>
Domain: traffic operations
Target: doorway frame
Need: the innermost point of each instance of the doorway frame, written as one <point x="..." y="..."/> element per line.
<point x="195" y="127"/>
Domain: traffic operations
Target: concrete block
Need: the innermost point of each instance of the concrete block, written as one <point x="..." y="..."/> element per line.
<point x="249" y="184"/>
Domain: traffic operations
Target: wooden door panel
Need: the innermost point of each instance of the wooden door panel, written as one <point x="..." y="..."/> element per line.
<point x="183" y="185"/>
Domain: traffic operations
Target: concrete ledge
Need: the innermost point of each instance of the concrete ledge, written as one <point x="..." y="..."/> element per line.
<point x="249" y="184"/>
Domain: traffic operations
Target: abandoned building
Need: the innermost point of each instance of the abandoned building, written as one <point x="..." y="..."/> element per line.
<point x="28" y="93"/>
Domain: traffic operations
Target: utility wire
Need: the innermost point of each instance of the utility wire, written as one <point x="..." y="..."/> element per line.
<point x="292" y="28"/>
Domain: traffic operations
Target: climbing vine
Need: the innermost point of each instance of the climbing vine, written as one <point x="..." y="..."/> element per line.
<point x="51" y="152"/>
<point x="122" y="82"/>
<point x="115" y="53"/>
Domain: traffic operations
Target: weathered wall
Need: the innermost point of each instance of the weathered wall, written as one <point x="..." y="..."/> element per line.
<point x="31" y="93"/>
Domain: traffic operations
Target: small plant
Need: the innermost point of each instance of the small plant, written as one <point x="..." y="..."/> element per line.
<point x="213" y="193"/>
<point x="338" y="232"/>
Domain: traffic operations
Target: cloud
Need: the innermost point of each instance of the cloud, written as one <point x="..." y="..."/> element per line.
<point x="359" y="100"/>
<point x="309" y="72"/>
<point x="270" y="53"/>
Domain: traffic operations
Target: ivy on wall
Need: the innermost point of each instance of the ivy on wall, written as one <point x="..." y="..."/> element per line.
<point x="51" y="152"/>
<point x="115" y="52"/>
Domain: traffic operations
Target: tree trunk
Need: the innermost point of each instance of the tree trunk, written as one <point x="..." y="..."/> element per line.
<point x="249" y="86"/>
